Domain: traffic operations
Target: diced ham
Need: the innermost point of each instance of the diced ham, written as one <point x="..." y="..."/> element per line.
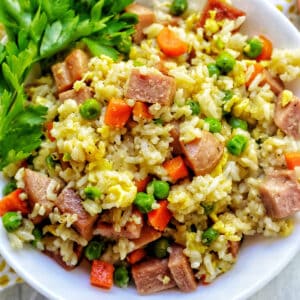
<point x="175" y="134"/>
<point x="145" y="16"/>
<point x="152" y="276"/>
<point x="77" y="64"/>
<point x="223" y="11"/>
<point x="298" y="6"/>
<point x="287" y="117"/>
<point x="151" y="88"/>
<point x="57" y="257"/>
<point x="181" y="269"/>
<point x="280" y="193"/>
<point x="36" y="185"/>
<point x="148" y="235"/>
<point x="275" y="83"/>
<point x="62" y="77"/>
<point x="69" y="202"/>
<point x="79" y="96"/>
<point x="131" y="230"/>
<point x="203" y="154"/>
<point x="234" y="248"/>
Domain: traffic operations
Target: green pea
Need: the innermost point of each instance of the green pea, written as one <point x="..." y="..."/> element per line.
<point x="160" y="247"/>
<point x="238" y="123"/>
<point x="159" y="189"/>
<point x="228" y="94"/>
<point x="214" y="125"/>
<point x="178" y="7"/>
<point x="9" y="187"/>
<point x="208" y="208"/>
<point x="253" y="48"/>
<point x="194" y="107"/>
<point x="11" y="221"/>
<point x="144" y="202"/>
<point x="225" y="62"/>
<point x="237" y="144"/>
<point x="37" y="233"/>
<point x="121" y="276"/>
<point x="213" y="70"/>
<point x="90" y="109"/>
<point x="92" y="192"/>
<point x="93" y="250"/>
<point x="209" y="235"/>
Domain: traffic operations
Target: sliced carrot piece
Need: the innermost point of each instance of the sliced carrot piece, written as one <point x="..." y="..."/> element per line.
<point x="176" y="168"/>
<point x="136" y="256"/>
<point x="142" y="184"/>
<point x="102" y="274"/>
<point x="266" y="50"/>
<point x="141" y="110"/>
<point x="292" y="159"/>
<point x="49" y="126"/>
<point x="170" y="44"/>
<point x="258" y="68"/>
<point x="12" y="202"/>
<point x="117" y="113"/>
<point x="160" y="217"/>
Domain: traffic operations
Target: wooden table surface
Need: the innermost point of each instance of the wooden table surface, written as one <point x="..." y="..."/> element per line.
<point x="286" y="286"/>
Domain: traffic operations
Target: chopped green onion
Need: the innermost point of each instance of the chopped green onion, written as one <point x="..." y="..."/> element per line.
<point x="93" y="250"/>
<point x="253" y="48"/>
<point x="237" y="144"/>
<point x="37" y="233"/>
<point x="11" y="221"/>
<point x="225" y="62"/>
<point x="227" y="95"/>
<point x="90" y="109"/>
<point x="213" y="70"/>
<point x="194" y="107"/>
<point x="144" y="202"/>
<point x="121" y="276"/>
<point x="9" y="187"/>
<point x="208" y="208"/>
<point x="92" y="192"/>
<point x="160" y="247"/>
<point x="50" y="162"/>
<point x="238" y="123"/>
<point x="214" y="125"/>
<point x="209" y="235"/>
<point x="178" y="7"/>
<point x="159" y="189"/>
<point x="158" y="121"/>
<point x="66" y="157"/>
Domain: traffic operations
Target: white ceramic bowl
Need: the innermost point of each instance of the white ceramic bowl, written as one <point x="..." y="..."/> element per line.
<point x="259" y="260"/>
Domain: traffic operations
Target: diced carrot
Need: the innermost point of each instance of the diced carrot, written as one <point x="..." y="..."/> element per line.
<point x="176" y="168"/>
<point x="102" y="274"/>
<point x="266" y="50"/>
<point x="142" y="184"/>
<point x="292" y="159"/>
<point x="202" y="279"/>
<point x="141" y="110"/>
<point x="170" y="44"/>
<point x="160" y="217"/>
<point x="258" y="68"/>
<point x="12" y="202"/>
<point x="136" y="256"/>
<point x="49" y="126"/>
<point x="117" y="113"/>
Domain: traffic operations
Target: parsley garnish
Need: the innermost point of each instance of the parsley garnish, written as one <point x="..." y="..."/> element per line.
<point x="37" y="30"/>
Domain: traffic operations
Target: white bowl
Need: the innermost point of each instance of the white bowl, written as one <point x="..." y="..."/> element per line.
<point x="259" y="260"/>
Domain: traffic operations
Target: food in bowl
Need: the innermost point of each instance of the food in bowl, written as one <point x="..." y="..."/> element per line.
<point x="158" y="165"/>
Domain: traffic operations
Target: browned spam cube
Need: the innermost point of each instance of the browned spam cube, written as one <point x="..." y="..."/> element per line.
<point x="181" y="269"/>
<point x="145" y="16"/>
<point x="79" y="96"/>
<point x="151" y="88"/>
<point x="152" y="276"/>
<point x="77" y="64"/>
<point x="69" y="202"/>
<point x="62" y="77"/>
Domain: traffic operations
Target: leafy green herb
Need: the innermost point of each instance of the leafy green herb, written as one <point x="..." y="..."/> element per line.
<point x="37" y="30"/>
